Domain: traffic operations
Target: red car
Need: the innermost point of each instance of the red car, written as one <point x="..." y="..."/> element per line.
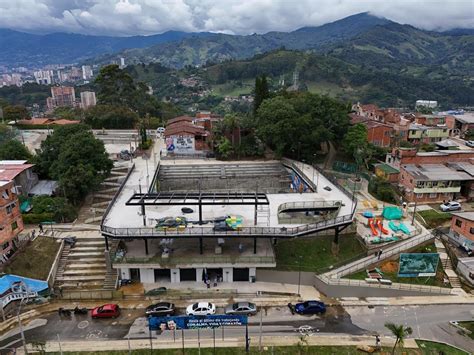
<point x="106" y="311"/>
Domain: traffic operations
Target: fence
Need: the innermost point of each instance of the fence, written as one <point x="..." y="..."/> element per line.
<point x="92" y="295"/>
<point x="393" y="286"/>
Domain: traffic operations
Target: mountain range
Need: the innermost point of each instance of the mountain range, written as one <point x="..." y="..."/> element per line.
<point x="362" y="33"/>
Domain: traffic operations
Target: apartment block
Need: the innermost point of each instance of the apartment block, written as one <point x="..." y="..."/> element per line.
<point x="11" y="223"/>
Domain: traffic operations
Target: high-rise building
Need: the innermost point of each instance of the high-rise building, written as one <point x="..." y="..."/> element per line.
<point x="122" y="63"/>
<point x="61" y="96"/>
<point x="43" y="77"/>
<point x="88" y="99"/>
<point x="86" y="72"/>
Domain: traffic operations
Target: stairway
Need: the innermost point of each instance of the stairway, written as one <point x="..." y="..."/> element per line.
<point x="447" y="266"/>
<point x="82" y="266"/>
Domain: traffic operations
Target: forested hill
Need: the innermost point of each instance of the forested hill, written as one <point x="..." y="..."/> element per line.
<point x="388" y="86"/>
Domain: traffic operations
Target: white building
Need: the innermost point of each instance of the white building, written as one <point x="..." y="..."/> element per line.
<point x="43" y="77"/>
<point x="122" y="63"/>
<point x="88" y="99"/>
<point x="426" y="103"/>
<point x="87" y="72"/>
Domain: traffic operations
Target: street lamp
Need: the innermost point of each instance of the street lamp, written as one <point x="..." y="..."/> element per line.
<point x="299" y="273"/>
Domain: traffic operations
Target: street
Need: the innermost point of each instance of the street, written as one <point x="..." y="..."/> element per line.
<point x="428" y="322"/>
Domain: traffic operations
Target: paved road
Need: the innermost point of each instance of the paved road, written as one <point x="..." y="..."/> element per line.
<point x="429" y="322"/>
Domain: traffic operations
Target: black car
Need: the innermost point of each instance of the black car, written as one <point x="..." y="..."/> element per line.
<point x="160" y="309"/>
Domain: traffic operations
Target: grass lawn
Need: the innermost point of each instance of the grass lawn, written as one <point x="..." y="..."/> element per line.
<point x="434" y="218"/>
<point x="468" y="326"/>
<point x="390" y="272"/>
<point x="277" y="350"/>
<point x="434" y="348"/>
<point x="35" y="259"/>
<point x="314" y="254"/>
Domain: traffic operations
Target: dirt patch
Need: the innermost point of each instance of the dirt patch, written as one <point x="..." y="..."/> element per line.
<point x="389" y="267"/>
<point x="133" y="289"/>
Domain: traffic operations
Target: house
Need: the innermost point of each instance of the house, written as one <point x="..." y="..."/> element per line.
<point x="433" y="183"/>
<point x="186" y="138"/>
<point x="464" y="122"/>
<point x="11" y="223"/>
<point x="379" y="134"/>
<point x="21" y="173"/>
<point x="461" y="232"/>
<point x="465" y="269"/>
<point x="418" y="133"/>
<point x="386" y="172"/>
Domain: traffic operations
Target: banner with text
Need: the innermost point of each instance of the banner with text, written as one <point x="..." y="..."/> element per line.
<point x="195" y="322"/>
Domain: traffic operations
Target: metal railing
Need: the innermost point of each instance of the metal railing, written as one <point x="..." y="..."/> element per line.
<point x="370" y="260"/>
<point x="92" y="295"/>
<point x="212" y="259"/>
<point x="396" y="286"/>
<point x="308" y="204"/>
<point x="244" y="231"/>
<point x="111" y="203"/>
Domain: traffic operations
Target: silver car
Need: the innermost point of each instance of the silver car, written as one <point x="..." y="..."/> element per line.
<point x="245" y="308"/>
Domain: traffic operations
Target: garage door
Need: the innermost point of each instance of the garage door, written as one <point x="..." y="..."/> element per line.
<point x="241" y="274"/>
<point x="187" y="274"/>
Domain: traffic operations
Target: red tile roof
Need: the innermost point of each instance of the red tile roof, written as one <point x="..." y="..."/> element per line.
<point x="63" y="122"/>
<point x="35" y="121"/>
<point x="179" y="119"/>
<point x="185" y="128"/>
<point x="355" y="118"/>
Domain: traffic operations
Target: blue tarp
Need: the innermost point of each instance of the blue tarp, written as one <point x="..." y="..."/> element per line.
<point x="6" y="282"/>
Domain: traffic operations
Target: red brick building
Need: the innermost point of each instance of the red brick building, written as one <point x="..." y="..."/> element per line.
<point x="462" y="229"/>
<point x="11" y="223"/>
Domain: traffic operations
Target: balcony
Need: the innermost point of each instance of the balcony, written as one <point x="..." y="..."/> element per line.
<point x="434" y="190"/>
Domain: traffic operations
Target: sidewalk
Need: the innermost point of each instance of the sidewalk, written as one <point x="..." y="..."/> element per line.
<point x="406" y="301"/>
<point x="317" y="339"/>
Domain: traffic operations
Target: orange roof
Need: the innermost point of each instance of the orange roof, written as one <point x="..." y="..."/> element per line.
<point x="63" y="122"/>
<point x="179" y="119"/>
<point x="35" y="121"/>
<point x="184" y="127"/>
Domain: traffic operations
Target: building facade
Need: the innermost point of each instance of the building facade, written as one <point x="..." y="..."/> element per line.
<point x="88" y="99"/>
<point x="61" y="96"/>
<point x="11" y="223"/>
<point x="462" y="229"/>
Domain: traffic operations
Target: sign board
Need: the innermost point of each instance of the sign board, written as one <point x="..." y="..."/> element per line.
<point x="195" y="322"/>
<point x="418" y="264"/>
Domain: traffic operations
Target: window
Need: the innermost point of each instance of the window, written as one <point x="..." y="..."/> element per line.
<point x="471" y="230"/>
<point x="14" y="225"/>
<point x="5" y="245"/>
<point x="419" y="195"/>
<point x="458" y="223"/>
<point x="10" y="208"/>
<point x="433" y="195"/>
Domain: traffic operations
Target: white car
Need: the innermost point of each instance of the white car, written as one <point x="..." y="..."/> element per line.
<point x="450" y="206"/>
<point x="160" y="130"/>
<point x="470" y="144"/>
<point x="201" y="309"/>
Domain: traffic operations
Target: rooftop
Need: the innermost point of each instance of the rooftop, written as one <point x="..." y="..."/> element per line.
<point x="447" y="143"/>
<point x="466" y="215"/>
<point x="467" y="117"/>
<point x="415" y="126"/>
<point x="10" y="171"/>
<point x="436" y="172"/>
<point x="184" y="127"/>
<point x="387" y="168"/>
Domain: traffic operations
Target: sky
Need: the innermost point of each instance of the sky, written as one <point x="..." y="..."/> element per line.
<point x="144" y="17"/>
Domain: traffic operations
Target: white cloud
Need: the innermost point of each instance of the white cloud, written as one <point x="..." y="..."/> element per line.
<point x="129" y="17"/>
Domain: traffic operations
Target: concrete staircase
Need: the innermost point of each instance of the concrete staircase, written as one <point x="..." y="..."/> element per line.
<point x="101" y="198"/>
<point x="83" y="266"/>
<point x="447" y="266"/>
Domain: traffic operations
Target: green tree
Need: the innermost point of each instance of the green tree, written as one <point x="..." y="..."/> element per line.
<point x="14" y="150"/>
<point x="224" y="148"/>
<point x="110" y="116"/>
<point x="400" y="332"/>
<point x="115" y="86"/>
<point x="355" y="138"/>
<point x="74" y="157"/>
<point x="261" y="92"/>
<point x="15" y="113"/>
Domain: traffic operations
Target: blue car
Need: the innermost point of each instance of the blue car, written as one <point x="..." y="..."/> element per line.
<point x="310" y="307"/>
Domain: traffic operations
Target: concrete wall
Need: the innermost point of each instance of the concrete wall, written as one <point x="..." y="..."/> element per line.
<point x="228" y="274"/>
<point x="175" y="275"/>
<point x="285" y="277"/>
<point x="147" y="275"/>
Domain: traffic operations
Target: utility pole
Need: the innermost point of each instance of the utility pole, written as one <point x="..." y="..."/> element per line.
<point x="260" y="336"/>
<point x="414" y="212"/>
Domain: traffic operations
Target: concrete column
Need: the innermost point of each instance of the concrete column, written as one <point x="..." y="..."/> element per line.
<point x="252" y="272"/>
<point x="228" y="274"/>
<point x="125" y="273"/>
<point x="175" y="275"/>
<point x="147" y="276"/>
<point x="199" y="272"/>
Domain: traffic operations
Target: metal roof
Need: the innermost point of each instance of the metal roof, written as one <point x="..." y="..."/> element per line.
<point x="436" y="172"/>
<point x="466" y="215"/>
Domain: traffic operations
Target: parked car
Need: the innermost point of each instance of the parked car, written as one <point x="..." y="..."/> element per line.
<point x="201" y="309"/>
<point x="160" y="309"/>
<point x="470" y="144"/>
<point x="156" y="291"/>
<point x="450" y="206"/>
<point x="310" y="307"/>
<point x="160" y="130"/>
<point x="110" y="310"/>
<point x="245" y="308"/>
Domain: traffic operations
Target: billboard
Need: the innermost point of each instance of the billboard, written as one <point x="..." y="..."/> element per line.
<point x="418" y="264"/>
<point x="180" y="144"/>
<point x="195" y="322"/>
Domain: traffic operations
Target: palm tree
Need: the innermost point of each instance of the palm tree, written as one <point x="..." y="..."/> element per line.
<point x="400" y="332"/>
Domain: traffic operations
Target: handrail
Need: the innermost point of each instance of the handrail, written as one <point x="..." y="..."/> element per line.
<point x="117" y="193"/>
<point x="157" y="259"/>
